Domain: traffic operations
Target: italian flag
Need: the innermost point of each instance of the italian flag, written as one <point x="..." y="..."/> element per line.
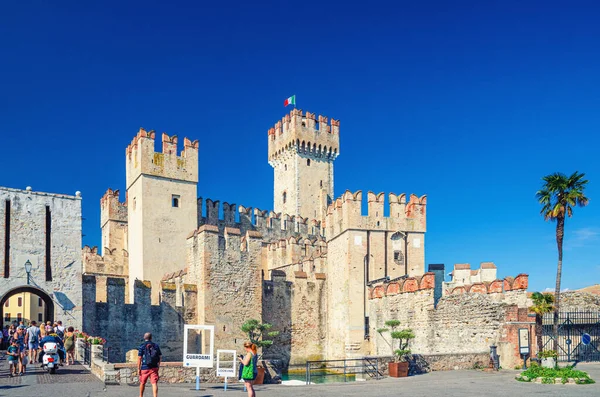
<point x="290" y="101"/>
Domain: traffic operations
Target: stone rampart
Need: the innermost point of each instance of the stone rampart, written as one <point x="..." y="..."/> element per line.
<point x="271" y="225"/>
<point x="123" y="325"/>
<point x="296" y="307"/>
<point x="406" y="216"/>
<point x="462" y="323"/>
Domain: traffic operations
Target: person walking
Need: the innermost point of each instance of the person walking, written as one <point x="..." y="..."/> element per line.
<point x="149" y="357"/>
<point x="70" y="345"/>
<point x="13" y="357"/>
<point x="32" y="337"/>
<point x="250" y="371"/>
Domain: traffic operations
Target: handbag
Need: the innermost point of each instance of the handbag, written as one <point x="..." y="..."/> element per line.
<point x="248" y="373"/>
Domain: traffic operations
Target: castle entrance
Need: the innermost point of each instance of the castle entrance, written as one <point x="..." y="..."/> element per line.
<point x="26" y="303"/>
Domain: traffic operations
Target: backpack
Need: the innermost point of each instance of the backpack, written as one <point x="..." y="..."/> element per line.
<point x="60" y="333"/>
<point x="33" y="336"/>
<point x="151" y="356"/>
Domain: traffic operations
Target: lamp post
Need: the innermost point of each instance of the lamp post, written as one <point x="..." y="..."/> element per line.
<point x="28" y="266"/>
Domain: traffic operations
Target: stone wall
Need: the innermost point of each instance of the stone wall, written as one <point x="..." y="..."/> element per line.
<point x="226" y="267"/>
<point x="461" y="324"/>
<point x="62" y="286"/>
<point x="296" y="307"/>
<point x="123" y="325"/>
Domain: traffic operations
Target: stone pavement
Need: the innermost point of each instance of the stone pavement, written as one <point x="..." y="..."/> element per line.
<point x="75" y="381"/>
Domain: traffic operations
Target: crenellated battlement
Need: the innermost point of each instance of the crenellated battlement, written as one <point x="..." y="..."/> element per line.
<point x="143" y="159"/>
<point x="346" y="213"/>
<point x="304" y="133"/>
<point x="270" y="224"/>
<point x="297" y="253"/>
<point x="111" y="208"/>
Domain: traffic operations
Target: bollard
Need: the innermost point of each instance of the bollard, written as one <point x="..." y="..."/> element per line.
<point x="494" y="358"/>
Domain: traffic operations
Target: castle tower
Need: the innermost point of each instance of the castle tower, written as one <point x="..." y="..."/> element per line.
<point x="113" y="221"/>
<point x="302" y="149"/>
<point x="161" y="206"/>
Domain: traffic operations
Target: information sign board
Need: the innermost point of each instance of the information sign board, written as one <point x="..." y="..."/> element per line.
<point x="198" y="345"/>
<point x="523" y="341"/>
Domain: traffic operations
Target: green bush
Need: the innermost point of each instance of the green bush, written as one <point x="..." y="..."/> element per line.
<point x="548" y="375"/>
<point x="548" y="354"/>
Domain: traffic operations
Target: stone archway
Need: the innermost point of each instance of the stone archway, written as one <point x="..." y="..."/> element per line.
<point x="49" y="303"/>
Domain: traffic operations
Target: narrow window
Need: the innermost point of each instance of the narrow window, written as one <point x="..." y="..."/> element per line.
<point x="284" y="197"/>
<point x="175" y="201"/>
<point x="19" y="317"/>
<point x="40" y="317"/>
<point x="321" y="184"/>
<point x="308" y="162"/>
<point x="20" y="302"/>
<point x="6" y="303"/>
<point x="7" y="240"/>
<point x="40" y="304"/>
<point x="6" y="316"/>
<point x="285" y="167"/>
<point x="48" y="244"/>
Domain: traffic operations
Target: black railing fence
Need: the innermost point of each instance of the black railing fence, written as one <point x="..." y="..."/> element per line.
<point x="578" y="335"/>
<point x="347" y="368"/>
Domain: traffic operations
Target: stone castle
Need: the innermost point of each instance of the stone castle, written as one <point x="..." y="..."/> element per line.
<point x="326" y="249"/>
<point x="322" y="272"/>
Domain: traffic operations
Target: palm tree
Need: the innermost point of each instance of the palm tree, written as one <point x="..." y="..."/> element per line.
<point x="559" y="195"/>
<point x="542" y="304"/>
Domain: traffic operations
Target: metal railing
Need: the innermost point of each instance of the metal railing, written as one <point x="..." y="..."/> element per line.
<point x="345" y="368"/>
<point x="106" y="353"/>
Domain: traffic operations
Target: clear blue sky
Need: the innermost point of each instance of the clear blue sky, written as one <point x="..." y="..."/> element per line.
<point x="470" y="103"/>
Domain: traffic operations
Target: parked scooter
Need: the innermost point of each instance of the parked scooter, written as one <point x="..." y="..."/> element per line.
<point x="51" y="359"/>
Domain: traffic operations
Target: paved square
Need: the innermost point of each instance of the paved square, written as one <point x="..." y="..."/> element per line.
<point x="75" y="381"/>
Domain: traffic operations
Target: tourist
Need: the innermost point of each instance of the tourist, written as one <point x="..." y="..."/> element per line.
<point x="32" y="337"/>
<point x="49" y="328"/>
<point x="52" y="338"/>
<point x="13" y="357"/>
<point x="70" y="345"/>
<point x="149" y="357"/>
<point x="19" y="337"/>
<point x="5" y="337"/>
<point x="250" y="371"/>
<point x="59" y="329"/>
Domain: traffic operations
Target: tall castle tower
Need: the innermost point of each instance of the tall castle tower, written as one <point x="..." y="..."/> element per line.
<point x="302" y="149"/>
<point x="161" y="206"/>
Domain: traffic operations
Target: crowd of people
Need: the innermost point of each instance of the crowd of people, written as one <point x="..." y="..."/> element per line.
<point x="24" y="345"/>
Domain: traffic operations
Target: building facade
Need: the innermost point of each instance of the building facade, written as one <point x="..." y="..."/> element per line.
<point x="42" y="230"/>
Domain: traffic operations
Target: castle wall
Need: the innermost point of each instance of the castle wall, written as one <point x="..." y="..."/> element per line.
<point x="296" y="307"/>
<point x="226" y="267"/>
<point x="28" y="242"/>
<point x="123" y="325"/>
<point x="467" y="322"/>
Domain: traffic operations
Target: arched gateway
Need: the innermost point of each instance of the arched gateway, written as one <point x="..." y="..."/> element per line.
<point x="48" y="302"/>
<point x="42" y="230"/>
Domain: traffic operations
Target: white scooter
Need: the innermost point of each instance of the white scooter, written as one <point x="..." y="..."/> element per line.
<point x="51" y="359"/>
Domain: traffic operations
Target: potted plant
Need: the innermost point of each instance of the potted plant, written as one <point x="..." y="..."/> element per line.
<point x="549" y="358"/>
<point x="398" y="368"/>
<point x="256" y="334"/>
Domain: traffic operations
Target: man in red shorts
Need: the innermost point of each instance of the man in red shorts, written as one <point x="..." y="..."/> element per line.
<point x="149" y="357"/>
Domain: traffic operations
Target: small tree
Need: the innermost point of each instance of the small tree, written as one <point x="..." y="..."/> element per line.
<point x="403" y="337"/>
<point x="257" y="332"/>
<point x="542" y="304"/>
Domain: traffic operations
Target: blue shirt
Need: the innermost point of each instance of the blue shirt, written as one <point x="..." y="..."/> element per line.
<point x="52" y="339"/>
<point x="142" y="350"/>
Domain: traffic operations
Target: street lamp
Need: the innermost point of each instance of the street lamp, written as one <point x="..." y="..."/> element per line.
<point x="28" y="266"/>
